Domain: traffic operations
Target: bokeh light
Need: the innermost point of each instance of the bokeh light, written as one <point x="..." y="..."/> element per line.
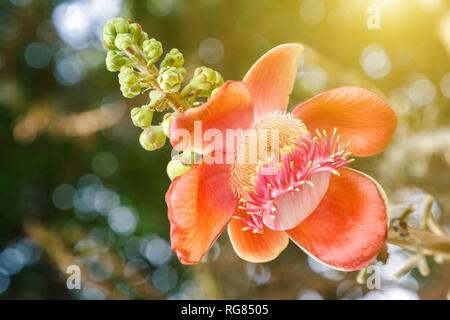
<point x="211" y="50"/>
<point x="445" y="85"/>
<point x="375" y="62"/>
<point x="312" y="11"/>
<point x="38" y="55"/>
<point x="421" y="91"/>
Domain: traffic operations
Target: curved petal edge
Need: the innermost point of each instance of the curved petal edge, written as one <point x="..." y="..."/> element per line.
<point x="271" y="79"/>
<point x="360" y="115"/>
<point x="349" y="227"/>
<point x="203" y="129"/>
<point x="200" y="205"/>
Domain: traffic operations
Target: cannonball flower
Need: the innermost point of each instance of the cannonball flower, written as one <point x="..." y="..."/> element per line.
<point x="335" y="214"/>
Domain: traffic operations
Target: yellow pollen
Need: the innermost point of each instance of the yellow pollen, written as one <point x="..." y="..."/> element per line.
<point x="273" y="209"/>
<point x="275" y="131"/>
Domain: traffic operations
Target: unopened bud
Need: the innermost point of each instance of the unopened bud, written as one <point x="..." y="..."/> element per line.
<point x="170" y="79"/>
<point x="121" y="25"/>
<point x="205" y="80"/>
<point x="152" y="138"/>
<point x="165" y="125"/>
<point x="123" y="41"/>
<point x="176" y="168"/>
<point x="153" y="50"/>
<point x="141" y="116"/>
<point x="110" y="31"/>
<point x="188" y="157"/>
<point x="156" y="98"/>
<point x="173" y="59"/>
<point x="214" y="92"/>
<point x="143" y="38"/>
<point x="115" y="61"/>
<point x="129" y="82"/>
<point x="135" y="31"/>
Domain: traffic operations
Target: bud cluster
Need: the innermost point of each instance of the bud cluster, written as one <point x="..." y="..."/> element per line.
<point x="133" y="55"/>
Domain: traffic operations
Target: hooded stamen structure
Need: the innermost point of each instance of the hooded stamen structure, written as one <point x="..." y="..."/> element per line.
<point x="309" y="159"/>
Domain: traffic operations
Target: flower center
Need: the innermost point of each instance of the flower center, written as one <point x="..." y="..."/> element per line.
<point x="280" y="191"/>
<point x="260" y="145"/>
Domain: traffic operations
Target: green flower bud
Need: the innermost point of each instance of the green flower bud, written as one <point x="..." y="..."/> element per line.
<point x="109" y="28"/>
<point x="136" y="31"/>
<point x="109" y="35"/>
<point x="123" y="41"/>
<point x="110" y="31"/>
<point x="156" y="98"/>
<point x="205" y="80"/>
<point x="153" y="49"/>
<point x="170" y="79"/>
<point x="142" y="39"/>
<point x="108" y="42"/>
<point x="141" y="116"/>
<point x="115" y="61"/>
<point x="214" y="92"/>
<point x="129" y="82"/>
<point x="188" y="157"/>
<point x="120" y="24"/>
<point x="152" y="138"/>
<point x="173" y="59"/>
<point x="127" y="76"/>
<point x="176" y="168"/>
<point x="165" y="125"/>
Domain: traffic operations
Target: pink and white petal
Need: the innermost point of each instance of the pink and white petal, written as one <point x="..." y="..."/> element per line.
<point x="294" y="207"/>
<point x="349" y="227"/>
<point x="360" y="115"/>
<point x="200" y="205"/>
<point x="230" y="108"/>
<point x="255" y="247"/>
<point x="271" y="79"/>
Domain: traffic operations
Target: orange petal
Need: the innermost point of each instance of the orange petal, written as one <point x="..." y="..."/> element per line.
<point x="348" y="229"/>
<point x="200" y="204"/>
<point x="271" y="78"/>
<point x="360" y="115"/>
<point x="230" y="108"/>
<point x="255" y="247"/>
